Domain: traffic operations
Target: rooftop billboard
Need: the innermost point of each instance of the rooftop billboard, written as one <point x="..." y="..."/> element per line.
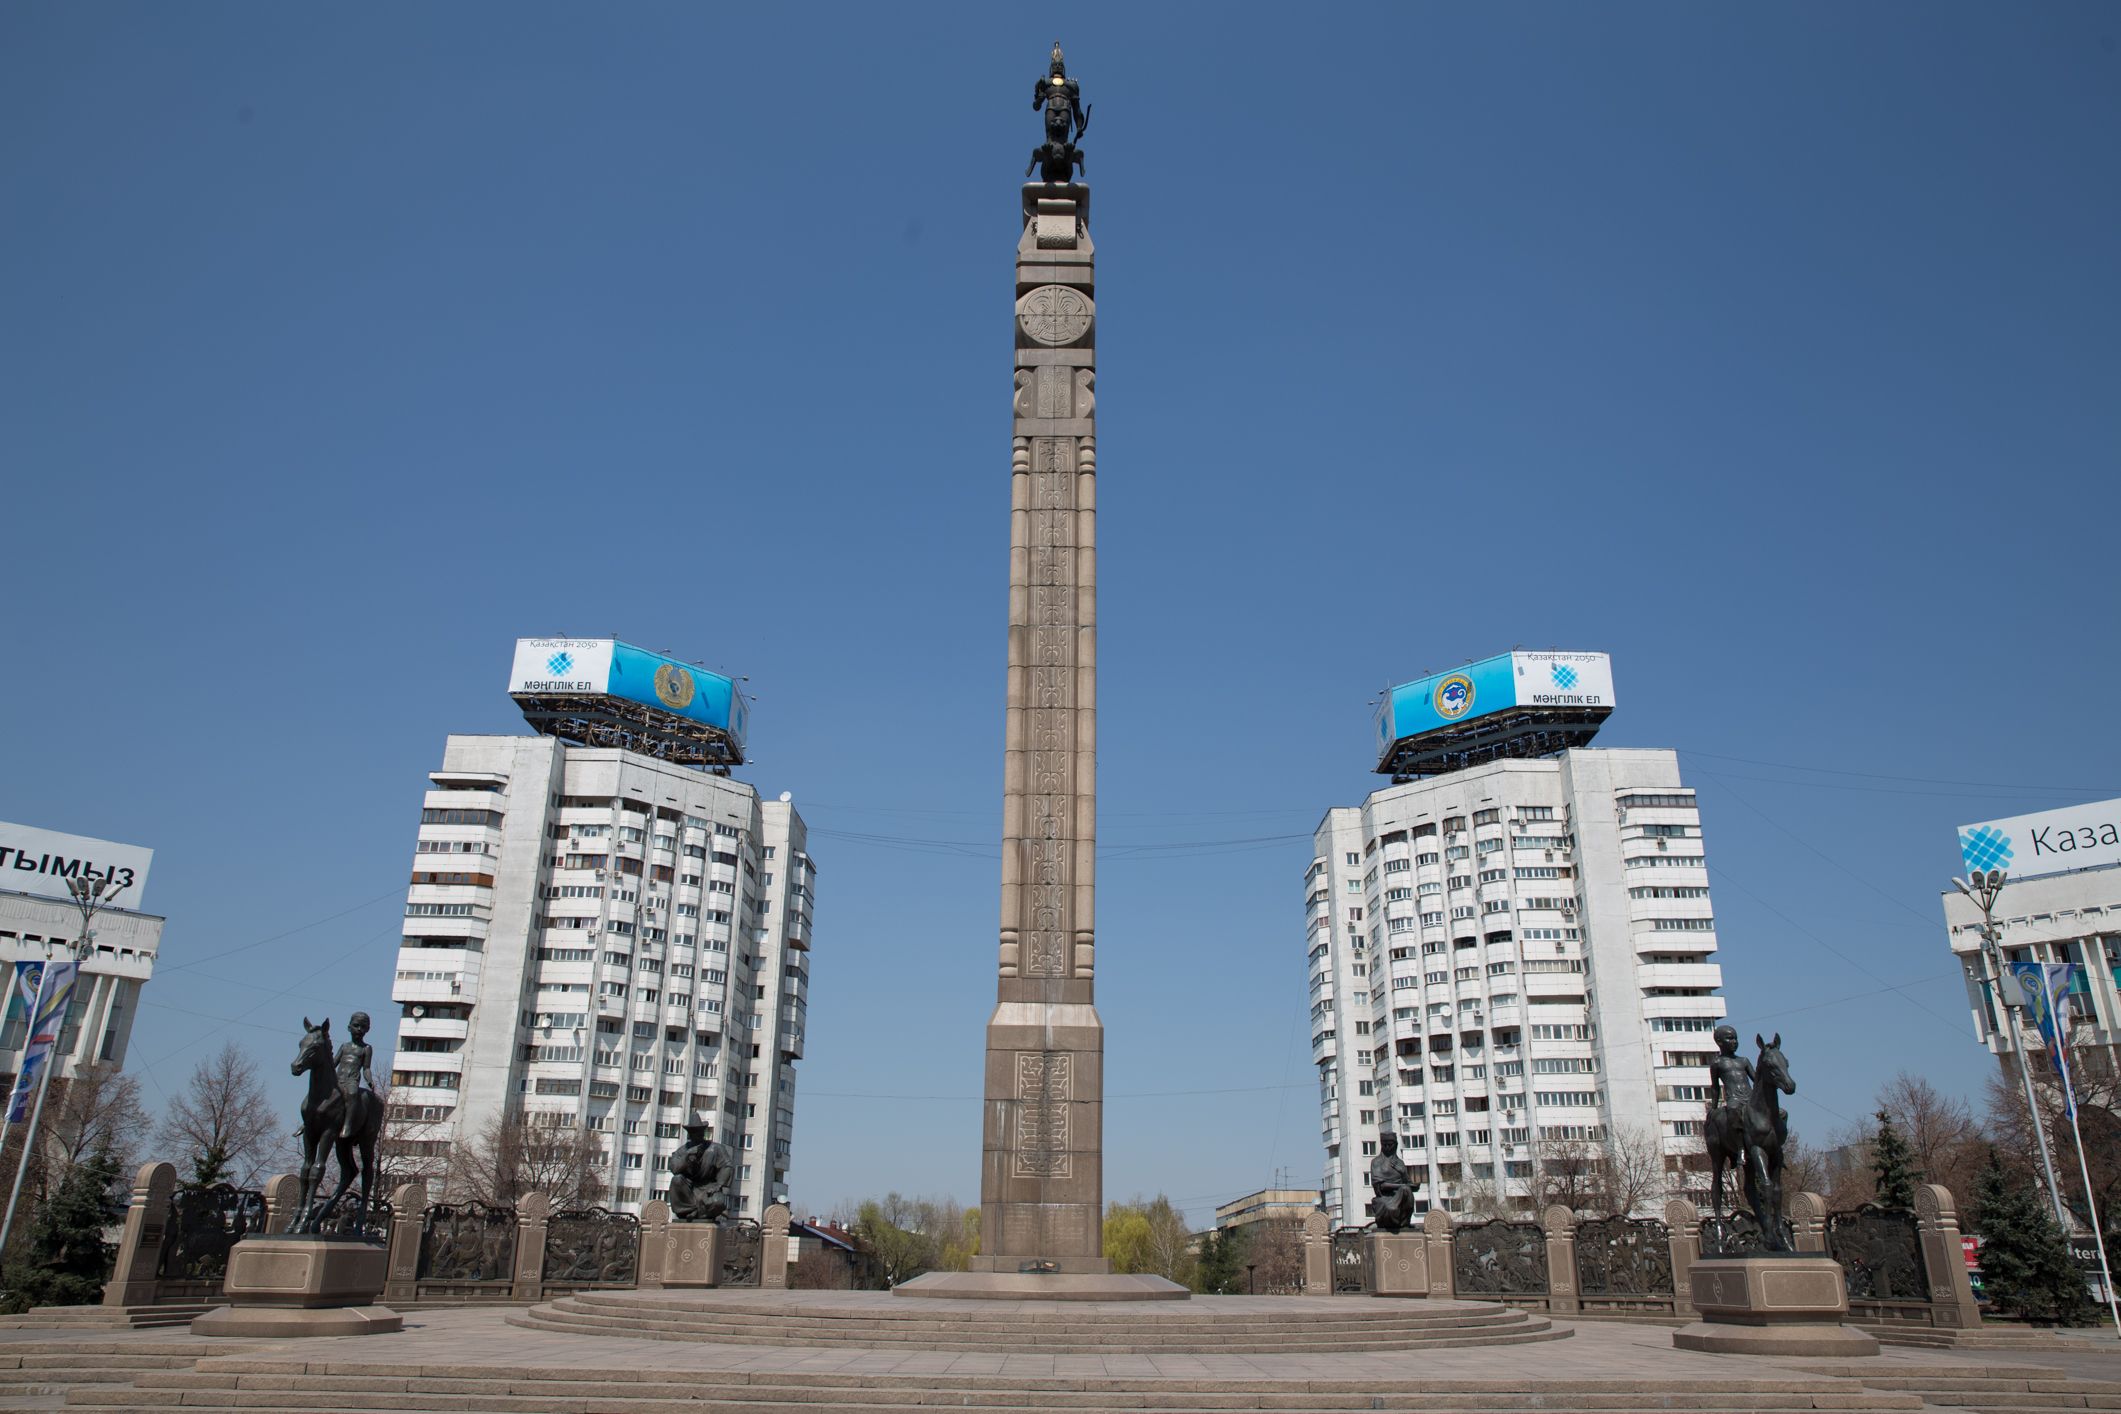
<point x="605" y="667"/>
<point x="2049" y="842"/>
<point x="1561" y="681"/>
<point x="34" y="861"/>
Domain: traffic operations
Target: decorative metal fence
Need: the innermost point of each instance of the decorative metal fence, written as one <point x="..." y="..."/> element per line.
<point x="1732" y="1235"/>
<point x="468" y="1244"/>
<point x="1351" y="1261"/>
<point x="1624" y="1257"/>
<point x="591" y="1247"/>
<point x="1499" y="1258"/>
<point x="741" y="1243"/>
<point x="345" y="1221"/>
<point x="1880" y="1249"/>
<point x="203" y="1224"/>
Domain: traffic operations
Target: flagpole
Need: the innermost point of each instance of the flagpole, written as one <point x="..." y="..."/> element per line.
<point x="29" y="1034"/>
<point x="44" y="1085"/>
<point x="90" y="893"/>
<point x="2069" y="1095"/>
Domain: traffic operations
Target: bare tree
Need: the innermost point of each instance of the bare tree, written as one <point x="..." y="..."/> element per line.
<point x="221" y="1123"/>
<point x="1945" y="1141"/>
<point x="1636" y="1179"/>
<point x="1803" y="1169"/>
<point x="510" y="1158"/>
<point x="413" y="1149"/>
<point x="1480" y="1199"/>
<point x="96" y="1112"/>
<point x="1275" y="1254"/>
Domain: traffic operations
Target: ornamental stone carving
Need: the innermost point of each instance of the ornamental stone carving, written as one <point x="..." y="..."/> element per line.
<point x="1055" y="315"/>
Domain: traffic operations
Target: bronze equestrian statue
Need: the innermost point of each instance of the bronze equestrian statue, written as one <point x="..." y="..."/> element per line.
<point x="1747" y="1129"/>
<point x="341" y="1110"/>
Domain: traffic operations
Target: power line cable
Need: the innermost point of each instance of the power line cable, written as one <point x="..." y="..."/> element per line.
<point x="303" y="928"/>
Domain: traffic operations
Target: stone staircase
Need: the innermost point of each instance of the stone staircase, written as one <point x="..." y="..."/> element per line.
<point x="53" y="1367"/>
<point x="1323" y="1326"/>
<point x="2000" y="1389"/>
<point x="291" y="1387"/>
<point x="88" y="1318"/>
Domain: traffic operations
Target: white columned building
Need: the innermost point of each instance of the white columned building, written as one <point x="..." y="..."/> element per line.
<point x="2062" y="904"/>
<point x="39" y="922"/>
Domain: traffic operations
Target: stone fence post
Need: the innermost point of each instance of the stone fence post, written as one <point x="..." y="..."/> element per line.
<point x="1436" y="1231"/>
<point x="773" y="1247"/>
<point x="1682" y="1221"/>
<point x="1318" y="1254"/>
<point x="283" y="1195"/>
<point x="1943" y="1261"/>
<point x="1807" y="1215"/>
<point x="408" y="1223"/>
<point x="133" y="1278"/>
<point x="655" y="1226"/>
<point x="1559" y="1224"/>
<point x="533" y="1214"/>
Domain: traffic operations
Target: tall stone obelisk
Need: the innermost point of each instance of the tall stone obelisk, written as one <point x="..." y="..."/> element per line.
<point x="1042" y="1173"/>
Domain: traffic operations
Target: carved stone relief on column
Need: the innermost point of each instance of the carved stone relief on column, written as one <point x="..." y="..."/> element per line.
<point x="1044" y="1083"/>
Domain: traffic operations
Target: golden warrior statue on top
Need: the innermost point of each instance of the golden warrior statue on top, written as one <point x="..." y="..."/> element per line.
<point x="1066" y="119"/>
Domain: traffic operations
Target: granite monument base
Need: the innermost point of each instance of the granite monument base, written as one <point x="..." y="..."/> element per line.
<point x="1399" y="1264"/>
<point x="302" y="1286"/>
<point x="1043" y="1286"/>
<point x="692" y="1255"/>
<point x="1771" y="1303"/>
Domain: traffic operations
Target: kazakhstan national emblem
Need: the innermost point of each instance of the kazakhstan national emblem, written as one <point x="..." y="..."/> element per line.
<point x="1454" y="696"/>
<point x="674" y="687"/>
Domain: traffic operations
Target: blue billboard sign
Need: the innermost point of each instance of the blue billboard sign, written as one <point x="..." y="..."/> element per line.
<point x="1552" y="681"/>
<point x="656" y="681"/>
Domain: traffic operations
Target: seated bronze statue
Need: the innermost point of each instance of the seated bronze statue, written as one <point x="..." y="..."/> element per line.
<point x="700" y="1174"/>
<point x="1394" y="1208"/>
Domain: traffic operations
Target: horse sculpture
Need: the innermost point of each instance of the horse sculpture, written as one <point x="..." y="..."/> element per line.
<point x="323" y="1115"/>
<point x="1748" y="1131"/>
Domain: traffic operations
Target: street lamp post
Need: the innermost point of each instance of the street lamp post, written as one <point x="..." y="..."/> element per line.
<point x="90" y="892"/>
<point x="1982" y="887"/>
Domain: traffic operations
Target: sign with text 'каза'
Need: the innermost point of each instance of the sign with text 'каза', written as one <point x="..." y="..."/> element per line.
<point x="2077" y="837"/>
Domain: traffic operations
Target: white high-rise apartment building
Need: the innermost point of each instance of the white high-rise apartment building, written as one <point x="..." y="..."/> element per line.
<point x="598" y="939"/>
<point x="1508" y="961"/>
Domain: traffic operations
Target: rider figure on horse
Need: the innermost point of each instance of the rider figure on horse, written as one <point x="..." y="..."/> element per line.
<point x="1730" y="1077"/>
<point x="354" y="1067"/>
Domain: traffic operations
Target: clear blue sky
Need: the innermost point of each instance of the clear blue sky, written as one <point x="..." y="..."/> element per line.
<point x="1774" y="351"/>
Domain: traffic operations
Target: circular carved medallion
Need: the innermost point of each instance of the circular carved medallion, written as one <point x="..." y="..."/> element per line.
<point x="1054" y="315"/>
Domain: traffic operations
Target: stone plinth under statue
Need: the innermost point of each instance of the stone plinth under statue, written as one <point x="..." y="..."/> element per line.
<point x="1771" y="1303"/>
<point x="302" y="1286"/>
<point x="1399" y="1264"/>
<point x="692" y="1255"/>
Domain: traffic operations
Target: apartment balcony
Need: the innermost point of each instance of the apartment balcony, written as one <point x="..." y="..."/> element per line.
<point x="1685" y="1006"/>
<point x="1679" y="974"/>
<point x="447" y="986"/>
<point x="433" y="1028"/>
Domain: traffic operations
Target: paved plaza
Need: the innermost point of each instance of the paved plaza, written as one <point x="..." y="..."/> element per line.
<point x="475" y="1359"/>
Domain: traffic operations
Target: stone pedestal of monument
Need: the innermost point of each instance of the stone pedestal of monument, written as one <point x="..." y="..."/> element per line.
<point x="302" y="1286"/>
<point x="692" y="1255"/>
<point x="1771" y="1303"/>
<point x="1399" y="1264"/>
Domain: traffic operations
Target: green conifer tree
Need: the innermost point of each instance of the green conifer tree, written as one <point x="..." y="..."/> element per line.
<point x="2025" y="1263"/>
<point x="66" y="1260"/>
<point x="1894" y="1164"/>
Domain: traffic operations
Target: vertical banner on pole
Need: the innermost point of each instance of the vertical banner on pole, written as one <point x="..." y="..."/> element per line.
<point x="55" y="988"/>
